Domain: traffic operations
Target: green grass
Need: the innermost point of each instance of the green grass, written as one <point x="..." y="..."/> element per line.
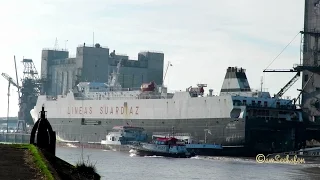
<point x="86" y="167"/>
<point x="38" y="160"/>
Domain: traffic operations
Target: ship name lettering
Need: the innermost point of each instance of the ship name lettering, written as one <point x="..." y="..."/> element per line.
<point x="104" y="110"/>
<point x="118" y="110"/>
<point x="79" y="110"/>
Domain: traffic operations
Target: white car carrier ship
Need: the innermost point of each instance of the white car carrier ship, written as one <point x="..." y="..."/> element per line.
<point x="242" y="120"/>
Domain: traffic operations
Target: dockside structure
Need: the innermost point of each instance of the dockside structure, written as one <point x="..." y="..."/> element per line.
<point x="94" y="64"/>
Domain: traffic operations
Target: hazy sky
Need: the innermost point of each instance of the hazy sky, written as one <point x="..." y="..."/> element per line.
<point x="201" y="38"/>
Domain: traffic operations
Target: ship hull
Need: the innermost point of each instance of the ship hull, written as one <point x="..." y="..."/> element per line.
<point x="223" y="130"/>
<point x="239" y="137"/>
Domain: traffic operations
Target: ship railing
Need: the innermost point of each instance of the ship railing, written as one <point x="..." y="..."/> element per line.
<point x="115" y="90"/>
<point x="120" y="97"/>
<point x="288" y="98"/>
<point x="263" y="90"/>
<point x="104" y="98"/>
<point x="289" y="106"/>
<point x="155" y="96"/>
<point x="51" y="98"/>
<point x="250" y="90"/>
<point x="131" y="89"/>
<point x="286" y="116"/>
<point x="169" y="134"/>
<point x="213" y="94"/>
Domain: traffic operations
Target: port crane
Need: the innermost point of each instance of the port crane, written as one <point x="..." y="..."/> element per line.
<point x="286" y="87"/>
<point x="15" y="84"/>
<point x="10" y="80"/>
<point x="299" y="68"/>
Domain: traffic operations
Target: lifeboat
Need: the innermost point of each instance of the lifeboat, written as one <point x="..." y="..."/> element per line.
<point x="148" y="86"/>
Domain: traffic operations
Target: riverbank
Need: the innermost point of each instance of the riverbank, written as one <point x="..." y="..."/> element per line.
<point x="25" y="161"/>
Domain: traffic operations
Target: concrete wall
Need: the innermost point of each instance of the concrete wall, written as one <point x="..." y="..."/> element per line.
<point x="311" y="58"/>
<point x="93" y="63"/>
<point x="63" y="78"/>
<point x="131" y="77"/>
<point x="47" y="58"/>
<point x="96" y="64"/>
<point x="47" y="61"/>
<point x="155" y="66"/>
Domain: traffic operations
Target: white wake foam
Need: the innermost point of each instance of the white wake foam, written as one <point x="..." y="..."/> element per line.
<point x="71" y="145"/>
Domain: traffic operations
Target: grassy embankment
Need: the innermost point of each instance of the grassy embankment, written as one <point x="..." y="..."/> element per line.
<point x="37" y="159"/>
<point x="52" y="167"/>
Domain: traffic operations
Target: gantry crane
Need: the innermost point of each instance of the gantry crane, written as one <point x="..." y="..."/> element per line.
<point x="30" y="90"/>
<point x="27" y="92"/>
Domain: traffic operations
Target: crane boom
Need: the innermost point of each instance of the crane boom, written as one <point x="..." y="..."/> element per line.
<point x="280" y="70"/>
<point x="165" y="74"/>
<point x="8" y="78"/>
<point x="288" y="85"/>
<point x="15" y="65"/>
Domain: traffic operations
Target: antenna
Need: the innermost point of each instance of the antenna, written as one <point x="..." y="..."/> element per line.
<point x="93" y="39"/>
<point x="169" y="64"/>
<point x="17" y="79"/>
<point x="56" y="46"/>
<point x="261" y="83"/>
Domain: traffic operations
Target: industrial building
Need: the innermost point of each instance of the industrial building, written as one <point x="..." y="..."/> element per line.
<point x="94" y="64"/>
<point x="310" y="47"/>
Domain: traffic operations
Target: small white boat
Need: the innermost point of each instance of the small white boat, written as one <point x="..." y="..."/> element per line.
<point x="122" y="136"/>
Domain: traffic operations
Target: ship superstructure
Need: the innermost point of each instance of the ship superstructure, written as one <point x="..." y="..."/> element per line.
<point x="238" y="117"/>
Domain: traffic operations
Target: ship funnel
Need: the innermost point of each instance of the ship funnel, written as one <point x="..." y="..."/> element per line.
<point x="235" y="81"/>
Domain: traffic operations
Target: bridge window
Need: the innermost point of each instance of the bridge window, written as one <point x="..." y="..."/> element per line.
<point x="265" y="104"/>
<point x="236" y="102"/>
<point x="244" y="102"/>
